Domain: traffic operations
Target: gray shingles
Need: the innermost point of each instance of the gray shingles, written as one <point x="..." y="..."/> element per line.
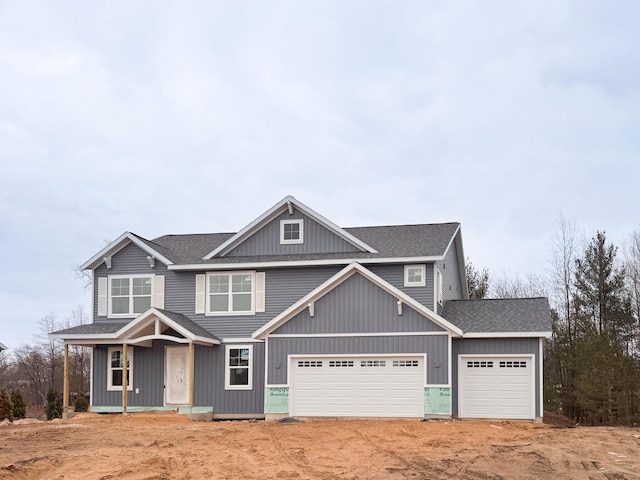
<point x="189" y="324"/>
<point x="499" y="315"/>
<point x="426" y="240"/>
<point x="92" y="328"/>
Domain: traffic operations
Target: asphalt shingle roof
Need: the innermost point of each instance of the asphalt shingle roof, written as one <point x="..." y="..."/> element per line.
<point x="499" y="315"/>
<point x="425" y="240"/>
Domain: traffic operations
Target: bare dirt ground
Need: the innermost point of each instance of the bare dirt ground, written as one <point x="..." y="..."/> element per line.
<point x="168" y="446"/>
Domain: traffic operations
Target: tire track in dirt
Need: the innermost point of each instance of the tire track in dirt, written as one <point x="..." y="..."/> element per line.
<point x="300" y="464"/>
<point x="427" y="468"/>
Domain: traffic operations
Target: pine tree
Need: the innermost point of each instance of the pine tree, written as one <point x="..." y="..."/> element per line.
<point x="19" y="407"/>
<point x="6" y="407"/>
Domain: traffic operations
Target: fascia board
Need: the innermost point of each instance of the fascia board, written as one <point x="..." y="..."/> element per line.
<point x="339" y="278"/>
<point x="117" y="245"/>
<point x="507" y="334"/>
<point x="301" y="263"/>
<point x="278" y="208"/>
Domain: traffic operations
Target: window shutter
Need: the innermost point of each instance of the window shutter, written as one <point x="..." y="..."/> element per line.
<point x="158" y="300"/>
<point x="200" y="293"/>
<point x="102" y="296"/>
<point x="260" y="292"/>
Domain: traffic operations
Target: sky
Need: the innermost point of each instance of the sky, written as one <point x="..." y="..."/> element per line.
<point x="194" y="117"/>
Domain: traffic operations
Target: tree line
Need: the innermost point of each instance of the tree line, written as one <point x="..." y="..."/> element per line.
<point x="592" y="360"/>
<point x="32" y="376"/>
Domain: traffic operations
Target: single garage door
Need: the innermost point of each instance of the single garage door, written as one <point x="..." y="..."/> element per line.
<point x="357" y="386"/>
<point x="500" y="387"/>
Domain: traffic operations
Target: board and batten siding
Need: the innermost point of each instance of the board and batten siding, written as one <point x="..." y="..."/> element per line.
<point x="357" y="306"/>
<point x="435" y="346"/>
<point x="451" y="282"/>
<point x="496" y="346"/>
<point x="316" y="239"/>
<point x="209" y="371"/>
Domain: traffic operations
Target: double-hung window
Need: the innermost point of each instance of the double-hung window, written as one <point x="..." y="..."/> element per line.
<point x="239" y="368"/>
<point x="230" y="293"/>
<point x="115" y="369"/>
<point x="129" y="295"/>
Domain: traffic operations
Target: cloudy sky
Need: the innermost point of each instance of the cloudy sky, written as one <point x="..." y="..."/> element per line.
<point x="184" y="117"/>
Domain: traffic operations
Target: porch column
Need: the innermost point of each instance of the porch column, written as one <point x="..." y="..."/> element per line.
<point x="191" y="373"/>
<point x="125" y="385"/>
<point x="65" y="383"/>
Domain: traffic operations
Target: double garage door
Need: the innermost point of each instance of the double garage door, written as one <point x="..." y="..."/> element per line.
<point x="496" y="387"/>
<point x="375" y="386"/>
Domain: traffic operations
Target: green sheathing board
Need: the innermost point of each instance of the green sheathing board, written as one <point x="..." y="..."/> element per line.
<point x="437" y="401"/>
<point x="276" y="400"/>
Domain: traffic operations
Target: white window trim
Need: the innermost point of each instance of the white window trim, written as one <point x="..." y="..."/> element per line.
<point x="227" y="368"/>
<point x="208" y="311"/>
<point x="110" y="313"/>
<point x="439" y="288"/>
<point x="422" y="268"/>
<point x="110" y="385"/>
<point x="300" y="222"/>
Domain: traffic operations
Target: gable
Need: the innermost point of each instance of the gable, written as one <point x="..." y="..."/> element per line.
<point x="402" y="301"/>
<point x="357" y="306"/>
<point x="104" y="256"/>
<point x="288" y="205"/>
<point x="316" y="238"/>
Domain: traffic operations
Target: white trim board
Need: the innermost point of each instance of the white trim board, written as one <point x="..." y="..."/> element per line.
<point x="301" y="263"/>
<point x="118" y="244"/>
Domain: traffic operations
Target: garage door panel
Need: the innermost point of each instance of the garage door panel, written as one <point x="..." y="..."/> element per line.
<point x="360" y="387"/>
<point x="496" y="387"/>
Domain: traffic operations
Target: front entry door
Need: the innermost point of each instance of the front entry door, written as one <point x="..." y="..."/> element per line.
<point x="176" y="375"/>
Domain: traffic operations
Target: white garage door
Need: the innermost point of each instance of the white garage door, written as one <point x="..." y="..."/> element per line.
<point x="357" y="386"/>
<point x="500" y="387"/>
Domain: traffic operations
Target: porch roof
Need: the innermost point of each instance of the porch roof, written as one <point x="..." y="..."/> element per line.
<point x="153" y="324"/>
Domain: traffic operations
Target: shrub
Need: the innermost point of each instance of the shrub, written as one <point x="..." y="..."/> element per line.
<point x="53" y="409"/>
<point x="6" y="407"/>
<point x="81" y="404"/>
<point x="19" y="407"/>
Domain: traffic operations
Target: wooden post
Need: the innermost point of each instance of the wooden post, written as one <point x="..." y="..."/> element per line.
<point x="65" y="384"/>
<point x="125" y="385"/>
<point x="191" y="373"/>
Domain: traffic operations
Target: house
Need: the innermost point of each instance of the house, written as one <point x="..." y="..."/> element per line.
<point x="296" y="316"/>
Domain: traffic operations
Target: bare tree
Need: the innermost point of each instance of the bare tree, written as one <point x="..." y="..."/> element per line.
<point x="517" y="287"/>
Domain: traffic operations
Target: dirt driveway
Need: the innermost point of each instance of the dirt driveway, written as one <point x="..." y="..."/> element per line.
<point x="168" y="446"/>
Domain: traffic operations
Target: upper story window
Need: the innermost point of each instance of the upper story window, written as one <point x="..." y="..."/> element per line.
<point x="230" y="293"/>
<point x="439" y="287"/>
<point x="415" y="275"/>
<point x="130" y="294"/>
<point x="291" y="231"/>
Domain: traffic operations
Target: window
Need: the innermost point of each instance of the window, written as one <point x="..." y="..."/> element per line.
<point x="415" y="275"/>
<point x="230" y="293"/>
<point x="291" y="231"/>
<point x="238" y="374"/>
<point x="439" y="295"/>
<point x="129" y="295"/>
<point x="115" y="370"/>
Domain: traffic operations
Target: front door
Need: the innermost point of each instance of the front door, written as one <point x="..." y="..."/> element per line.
<point x="176" y="375"/>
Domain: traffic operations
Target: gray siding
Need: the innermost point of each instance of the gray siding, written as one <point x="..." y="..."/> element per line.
<point x="451" y="281"/>
<point x="283" y="288"/>
<point x="394" y="274"/>
<point x="131" y="260"/>
<point x="317" y="239"/>
<point x="435" y="346"/>
<point x="495" y="346"/>
<point x="148" y="377"/>
<point x="357" y="305"/>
